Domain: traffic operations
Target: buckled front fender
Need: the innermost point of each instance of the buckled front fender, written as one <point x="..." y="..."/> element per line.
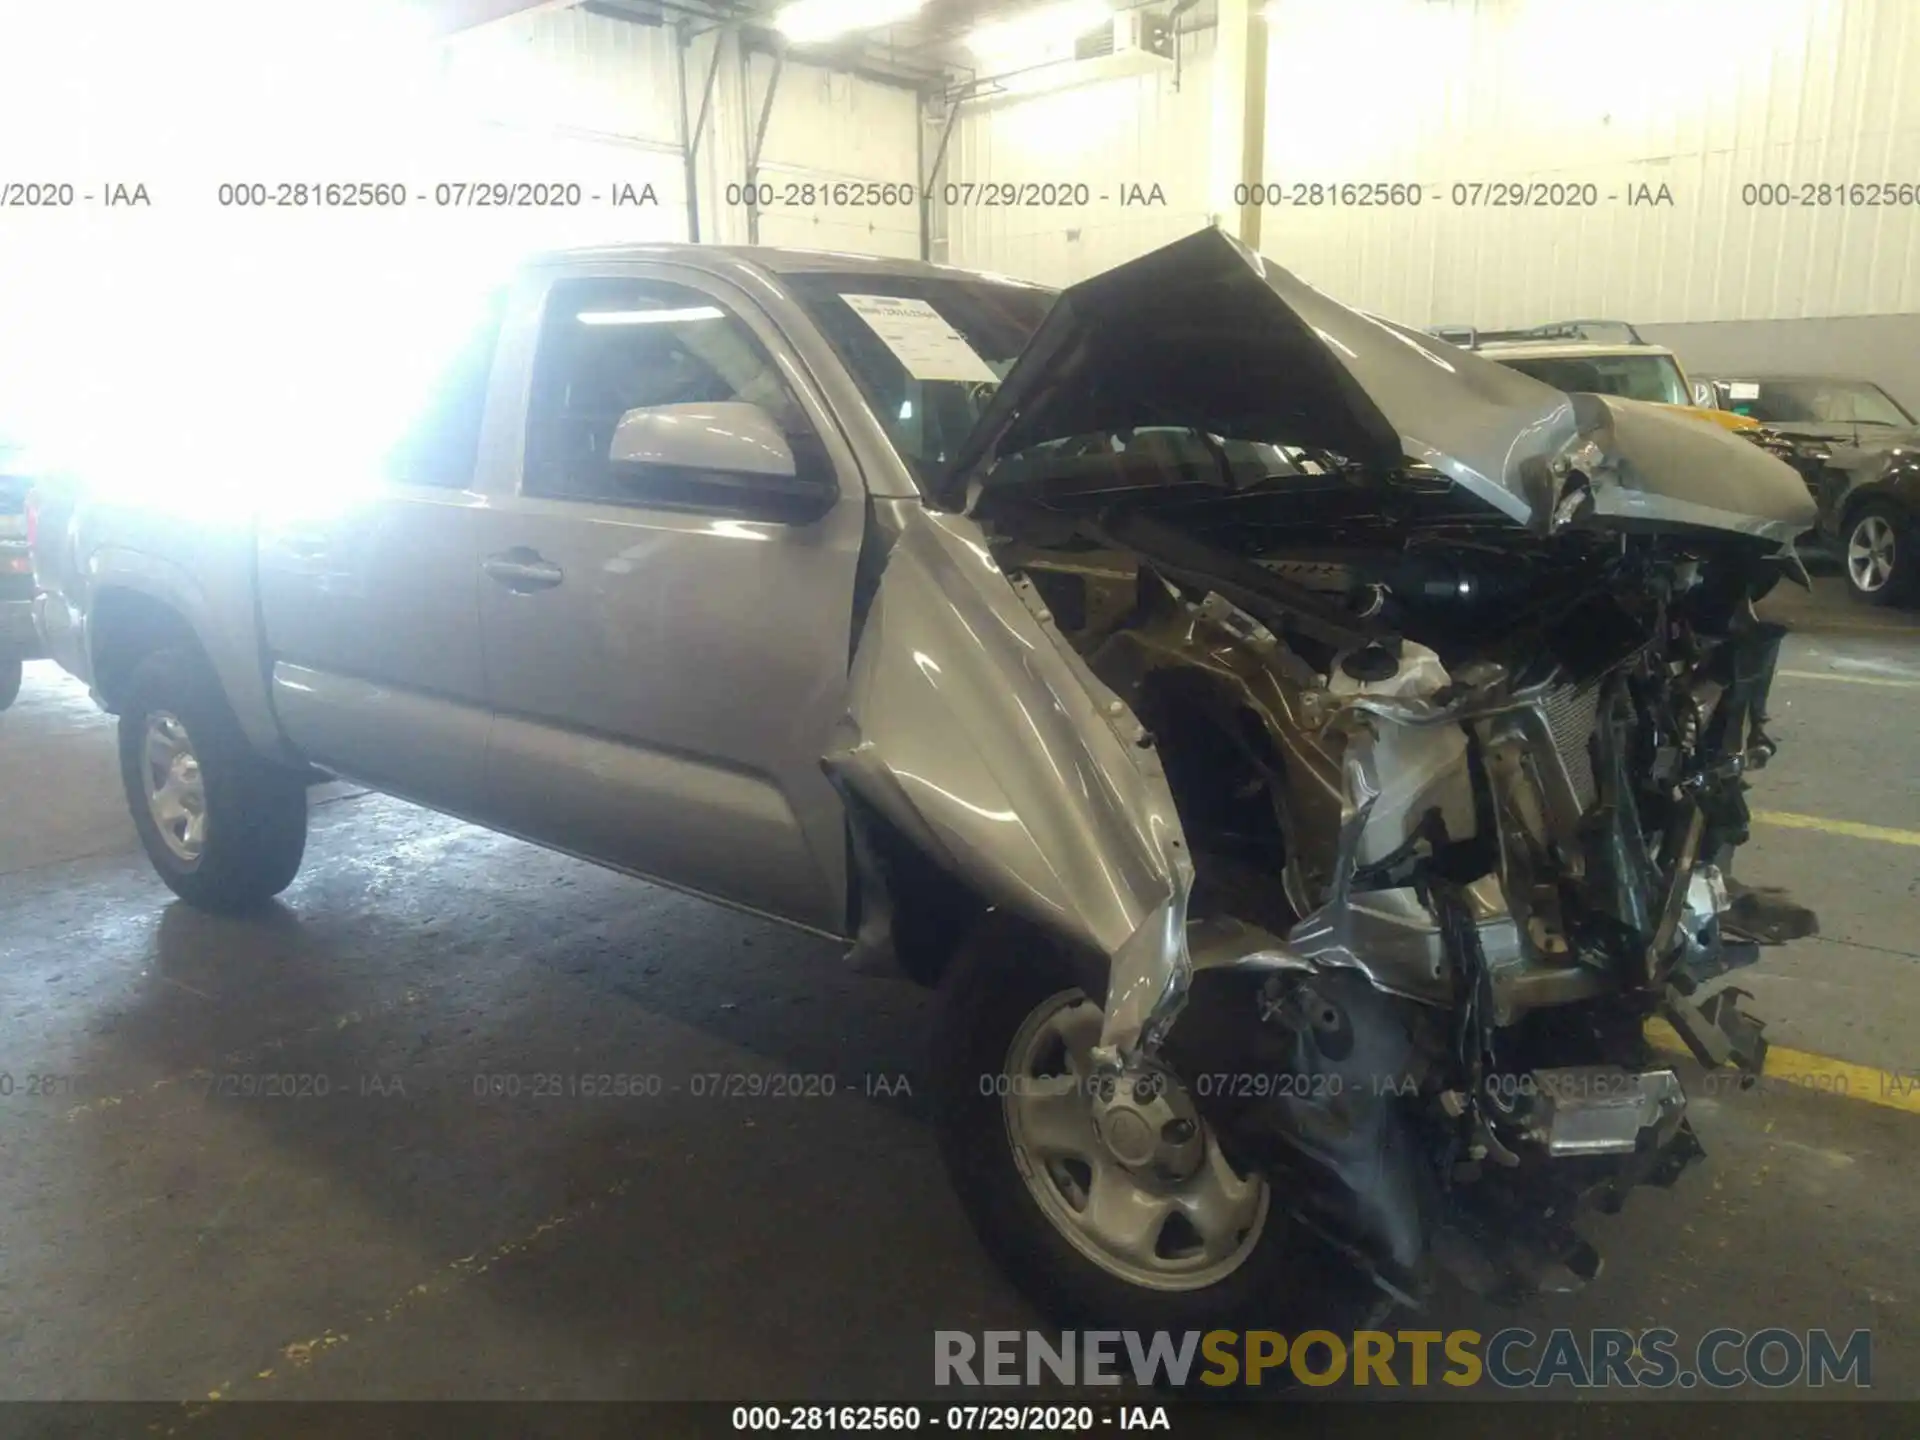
<point x="976" y="730"/>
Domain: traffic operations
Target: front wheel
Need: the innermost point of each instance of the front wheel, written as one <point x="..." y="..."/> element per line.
<point x="225" y="828"/>
<point x="1120" y="1210"/>
<point x="1882" y="568"/>
<point x="11" y="670"/>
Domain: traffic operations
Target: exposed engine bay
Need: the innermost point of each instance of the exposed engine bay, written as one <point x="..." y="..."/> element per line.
<point x="1368" y="724"/>
<point x="1461" y="800"/>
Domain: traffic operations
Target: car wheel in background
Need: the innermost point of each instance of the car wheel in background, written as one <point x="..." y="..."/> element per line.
<point x="1878" y="552"/>
<point x="225" y="827"/>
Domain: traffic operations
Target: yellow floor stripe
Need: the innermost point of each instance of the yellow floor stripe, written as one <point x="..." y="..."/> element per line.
<point x="1886" y="680"/>
<point x="1885" y="834"/>
<point x="1818" y="1074"/>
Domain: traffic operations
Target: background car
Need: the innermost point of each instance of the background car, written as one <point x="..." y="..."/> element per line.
<point x="1859" y="450"/>
<point x="1569" y="355"/>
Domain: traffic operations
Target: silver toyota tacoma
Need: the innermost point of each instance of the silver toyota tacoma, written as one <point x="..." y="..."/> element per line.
<point x="1303" y="755"/>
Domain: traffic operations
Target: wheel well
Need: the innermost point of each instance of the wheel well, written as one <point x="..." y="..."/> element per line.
<point x="932" y="911"/>
<point x="1219" y="767"/>
<point x="1865" y="496"/>
<point x="124" y="628"/>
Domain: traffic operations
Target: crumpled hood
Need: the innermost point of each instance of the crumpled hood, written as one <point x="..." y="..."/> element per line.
<point x="1207" y="335"/>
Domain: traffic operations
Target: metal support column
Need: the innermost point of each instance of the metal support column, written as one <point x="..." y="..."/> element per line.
<point x="1239" y="121"/>
<point x="690" y="149"/>
<point x="932" y="177"/>
<point x="759" y="141"/>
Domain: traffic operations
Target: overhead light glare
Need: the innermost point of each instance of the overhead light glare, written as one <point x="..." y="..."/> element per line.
<point x="647" y="317"/>
<point x="1037" y="31"/>
<point x="808" y="22"/>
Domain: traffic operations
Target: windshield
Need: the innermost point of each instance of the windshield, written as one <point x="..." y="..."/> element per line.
<point x="1813" y="402"/>
<point x="1651" y="376"/>
<point x="927" y="351"/>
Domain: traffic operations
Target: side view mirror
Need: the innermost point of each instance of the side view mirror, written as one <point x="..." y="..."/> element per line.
<point x="729" y="439"/>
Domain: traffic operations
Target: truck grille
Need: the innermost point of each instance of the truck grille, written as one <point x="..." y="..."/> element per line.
<point x="1571" y="712"/>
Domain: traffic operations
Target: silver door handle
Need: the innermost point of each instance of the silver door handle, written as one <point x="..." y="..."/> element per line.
<point x="522" y="570"/>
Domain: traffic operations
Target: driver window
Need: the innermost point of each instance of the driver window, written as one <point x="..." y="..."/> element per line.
<point x="610" y="346"/>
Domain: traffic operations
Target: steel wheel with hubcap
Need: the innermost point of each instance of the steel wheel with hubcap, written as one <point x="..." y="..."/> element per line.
<point x="1107" y="1200"/>
<point x="1133" y="1180"/>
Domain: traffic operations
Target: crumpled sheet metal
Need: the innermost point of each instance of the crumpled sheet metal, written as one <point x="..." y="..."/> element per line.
<point x="979" y="733"/>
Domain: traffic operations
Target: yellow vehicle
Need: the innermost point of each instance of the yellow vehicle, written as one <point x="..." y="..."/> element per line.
<point x="1570" y="355"/>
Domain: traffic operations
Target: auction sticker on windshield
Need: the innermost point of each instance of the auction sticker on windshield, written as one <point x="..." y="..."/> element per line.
<point x="923" y="341"/>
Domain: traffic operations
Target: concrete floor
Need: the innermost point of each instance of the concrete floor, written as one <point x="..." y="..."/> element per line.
<point x="401" y="1237"/>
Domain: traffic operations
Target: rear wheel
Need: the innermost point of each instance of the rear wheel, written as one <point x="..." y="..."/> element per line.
<point x="1879" y="553"/>
<point x="224" y="827"/>
<point x="11" y="669"/>
<point x="1121" y="1210"/>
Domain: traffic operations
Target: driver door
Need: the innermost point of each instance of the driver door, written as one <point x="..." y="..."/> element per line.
<point x="666" y="634"/>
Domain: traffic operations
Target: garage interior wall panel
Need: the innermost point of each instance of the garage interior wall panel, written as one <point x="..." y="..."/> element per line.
<point x="1149" y="129"/>
<point x="1704" y="97"/>
<point x="566" y="95"/>
<point x="828" y="126"/>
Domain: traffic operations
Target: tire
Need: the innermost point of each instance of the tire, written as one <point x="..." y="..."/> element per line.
<point x="997" y="979"/>
<point x="11" y="669"/>
<point x="1880" y="554"/>
<point x="175" y="724"/>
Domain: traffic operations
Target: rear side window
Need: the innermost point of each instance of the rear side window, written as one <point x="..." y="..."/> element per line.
<point x="609" y="346"/>
<point x="441" y="443"/>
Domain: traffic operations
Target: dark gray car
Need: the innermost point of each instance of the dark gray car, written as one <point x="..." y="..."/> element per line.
<point x="1859" y="450"/>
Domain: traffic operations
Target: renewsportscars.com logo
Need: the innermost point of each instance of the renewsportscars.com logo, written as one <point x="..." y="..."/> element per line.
<point x="1510" y="1359"/>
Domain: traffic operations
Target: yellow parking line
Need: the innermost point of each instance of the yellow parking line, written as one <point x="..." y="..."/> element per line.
<point x="1818" y="1074"/>
<point x="1888" y="681"/>
<point x="1885" y="834"/>
<point x="451" y="1276"/>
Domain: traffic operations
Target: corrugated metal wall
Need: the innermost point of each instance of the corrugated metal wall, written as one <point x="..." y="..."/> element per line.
<point x="1145" y="129"/>
<point x="829" y="127"/>
<point x="572" y="70"/>
<point x="1704" y="97"/>
<point x="568" y="94"/>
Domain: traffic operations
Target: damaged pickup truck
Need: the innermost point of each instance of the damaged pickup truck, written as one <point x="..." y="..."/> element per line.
<point x="1303" y="755"/>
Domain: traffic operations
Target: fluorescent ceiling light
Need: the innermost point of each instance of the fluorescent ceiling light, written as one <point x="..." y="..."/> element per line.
<point x="647" y="317"/>
<point x="810" y="21"/>
<point x="1037" y="30"/>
